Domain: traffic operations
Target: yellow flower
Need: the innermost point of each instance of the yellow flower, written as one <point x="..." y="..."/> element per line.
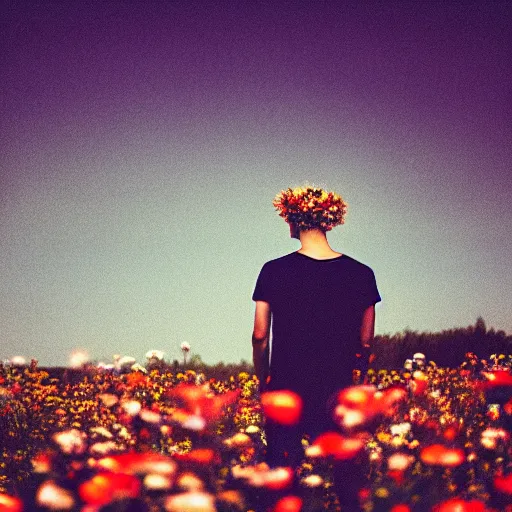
<point x="382" y="492"/>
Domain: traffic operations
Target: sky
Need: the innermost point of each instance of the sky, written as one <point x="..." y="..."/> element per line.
<point x="142" y="144"/>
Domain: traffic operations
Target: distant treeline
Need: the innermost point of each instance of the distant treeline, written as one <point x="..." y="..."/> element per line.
<point x="447" y="348"/>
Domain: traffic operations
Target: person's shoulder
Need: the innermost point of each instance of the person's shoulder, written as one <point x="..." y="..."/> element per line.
<point x="280" y="260"/>
<point x="357" y="265"/>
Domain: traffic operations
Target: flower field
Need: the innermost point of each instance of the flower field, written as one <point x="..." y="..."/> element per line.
<point x="93" y="439"/>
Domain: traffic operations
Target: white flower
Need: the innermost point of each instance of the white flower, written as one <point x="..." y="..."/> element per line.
<point x="194" y="422"/>
<point x="399" y="461"/>
<point x="191" y="502"/>
<point x="138" y="368"/>
<point x="155" y="354"/>
<point x="400" y="429"/>
<point x="312" y="481"/>
<point x="18" y="361"/>
<point x="131" y="407"/>
<point x="157" y="482"/>
<point x="78" y="358"/>
<point x="108" y="399"/>
<point x="149" y="416"/>
<point x="71" y="441"/>
<point x="125" y="362"/>
<point x="53" y="497"/>
<point x="102" y="431"/>
<point x="103" y="448"/>
<point x="190" y="482"/>
<point x="185" y="346"/>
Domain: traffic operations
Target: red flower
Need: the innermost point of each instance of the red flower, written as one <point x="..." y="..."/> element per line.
<point x="288" y="504"/>
<point x="284" y="407"/>
<point x="16" y="388"/>
<point x="440" y="455"/>
<point x="458" y="505"/>
<point x="10" y="504"/>
<point x="102" y="488"/>
<point x="357" y="396"/>
<point x="504" y="483"/>
<point x="200" y="401"/>
<point x="204" y="456"/>
<point x="358" y="405"/>
<point x="398" y="476"/>
<point x="138" y="463"/>
<point x="401" y="507"/>
<point x="136" y="379"/>
<point x="419" y="383"/>
<point x="497" y="378"/>
<point x="332" y="444"/>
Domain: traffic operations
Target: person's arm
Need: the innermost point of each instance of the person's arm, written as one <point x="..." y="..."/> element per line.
<point x="367" y="332"/>
<point x="260" y="341"/>
<point x="368" y="326"/>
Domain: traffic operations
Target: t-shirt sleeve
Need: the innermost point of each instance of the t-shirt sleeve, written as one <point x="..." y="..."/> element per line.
<point x="370" y="292"/>
<point x="262" y="288"/>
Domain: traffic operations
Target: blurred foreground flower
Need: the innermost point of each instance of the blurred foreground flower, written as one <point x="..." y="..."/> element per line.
<point x="54" y="497"/>
<point x="104" y="488"/>
<point x="359" y="405"/>
<point x="200" y="403"/>
<point x="440" y="455"/>
<point x="496" y="378"/>
<point x="10" y="504"/>
<point x="284" y="407"/>
<point x="261" y="475"/>
<point x="504" y="483"/>
<point x="191" y="502"/>
<point x="332" y="444"/>
<point x="138" y="463"/>
<point x="459" y="505"/>
<point x="288" y="504"/>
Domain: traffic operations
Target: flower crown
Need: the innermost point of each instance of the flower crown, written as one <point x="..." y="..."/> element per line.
<point x="311" y="207"/>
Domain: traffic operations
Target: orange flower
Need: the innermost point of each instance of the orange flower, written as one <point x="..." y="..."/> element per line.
<point x="357" y="396"/>
<point x="204" y="456"/>
<point x="332" y="444"/>
<point x="136" y="379"/>
<point x="284" y="407"/>
<point x="200" y="401"/>
<point x="138" y="463"/>
<point x="497" y="378"/>
<point x="358" y="405"/>
<point x="419" y="383"/>
<point x="10" y="504"/>
<point x="440" y="455"/>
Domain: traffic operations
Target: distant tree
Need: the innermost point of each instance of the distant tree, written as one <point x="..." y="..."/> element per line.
<point x="480" y="327"/>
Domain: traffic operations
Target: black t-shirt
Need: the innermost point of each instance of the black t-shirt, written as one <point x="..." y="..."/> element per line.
<point x="317" y="308"/>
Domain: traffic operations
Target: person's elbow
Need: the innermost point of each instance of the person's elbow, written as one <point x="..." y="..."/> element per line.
<point x="260" y="339"/>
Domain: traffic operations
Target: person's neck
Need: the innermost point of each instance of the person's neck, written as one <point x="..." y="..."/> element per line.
<point x="314" y="243"/>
